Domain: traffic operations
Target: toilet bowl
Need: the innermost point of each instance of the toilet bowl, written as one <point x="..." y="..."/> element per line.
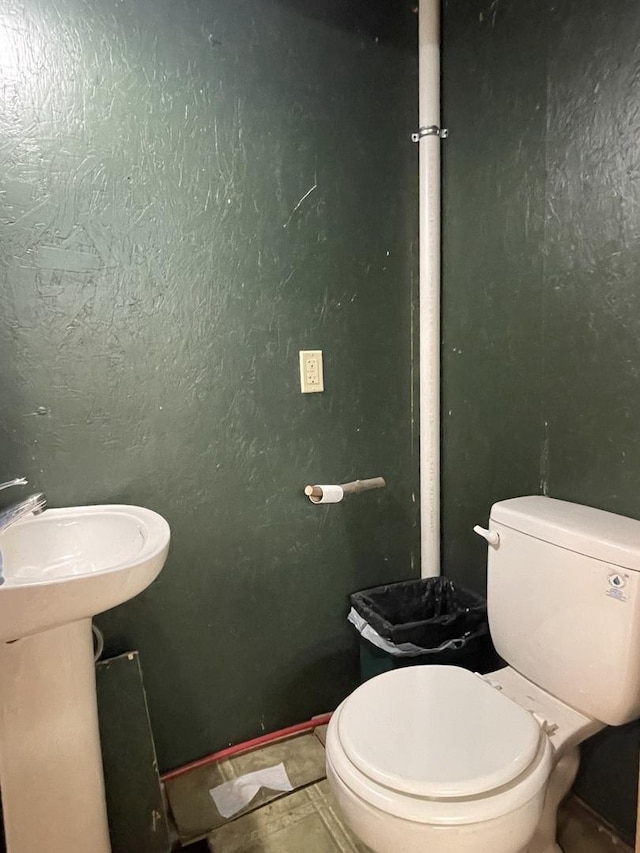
<point x="435" y="759"/>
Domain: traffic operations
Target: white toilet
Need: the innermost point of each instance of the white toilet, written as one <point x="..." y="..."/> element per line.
<point x="435" y="759"/>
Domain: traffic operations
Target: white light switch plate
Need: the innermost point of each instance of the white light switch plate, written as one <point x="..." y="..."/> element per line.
<point x="311" y="372"/>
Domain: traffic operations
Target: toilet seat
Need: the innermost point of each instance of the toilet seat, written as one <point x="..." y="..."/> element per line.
<point x="412" y="731"/>
<point x="438" y="744"/>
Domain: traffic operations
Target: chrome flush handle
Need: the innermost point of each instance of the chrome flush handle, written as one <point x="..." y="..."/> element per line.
<point x="19" y="481"/>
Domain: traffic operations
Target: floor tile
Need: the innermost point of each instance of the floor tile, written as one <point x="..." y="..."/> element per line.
<point x="306" y="821"/>
<point x="194" y="811"/>
<point x="309" y="821"/>
<point x="321" y="733"/>
<point x="579" y="831"/>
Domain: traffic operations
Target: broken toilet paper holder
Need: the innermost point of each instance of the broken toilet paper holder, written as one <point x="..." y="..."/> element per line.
<point x="318" y="494"/>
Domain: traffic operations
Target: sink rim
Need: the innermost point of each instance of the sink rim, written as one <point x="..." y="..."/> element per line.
<point x="156" y="540"/>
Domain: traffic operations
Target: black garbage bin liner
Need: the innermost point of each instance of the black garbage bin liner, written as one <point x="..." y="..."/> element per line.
<point x="426" y="612"/>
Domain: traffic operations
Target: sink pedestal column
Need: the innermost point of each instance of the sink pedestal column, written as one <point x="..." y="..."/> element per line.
<point x="50" y="760"/>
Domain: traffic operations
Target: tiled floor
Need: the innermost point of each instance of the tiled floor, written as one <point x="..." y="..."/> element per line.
<point x="192" y="806"/>
<point x="580" y="832"/>
<point x="307" y="820"/>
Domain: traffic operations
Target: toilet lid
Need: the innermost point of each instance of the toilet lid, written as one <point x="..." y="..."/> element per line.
<point x="436" y="731"/>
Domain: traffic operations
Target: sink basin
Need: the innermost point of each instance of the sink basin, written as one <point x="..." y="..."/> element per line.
<point x="69" y="564"/>
<point x="61" y="568"/>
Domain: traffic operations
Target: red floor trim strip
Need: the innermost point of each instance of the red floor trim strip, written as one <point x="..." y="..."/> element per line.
<point x="247" y="745"/>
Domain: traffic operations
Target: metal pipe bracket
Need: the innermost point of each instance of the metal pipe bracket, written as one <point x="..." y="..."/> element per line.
<point x="432" y="130"/>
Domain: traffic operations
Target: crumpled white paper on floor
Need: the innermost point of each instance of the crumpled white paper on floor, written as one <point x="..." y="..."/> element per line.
<point x="231" y="797"/>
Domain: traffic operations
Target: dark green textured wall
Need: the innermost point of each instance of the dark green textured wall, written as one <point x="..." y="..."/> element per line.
<point x="493" y="209"/>
<point x="190" y="193"/>
<point x="541" y="298"/>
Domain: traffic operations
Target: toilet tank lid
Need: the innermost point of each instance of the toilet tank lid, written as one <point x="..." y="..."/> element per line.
<point x="593" y="532"/>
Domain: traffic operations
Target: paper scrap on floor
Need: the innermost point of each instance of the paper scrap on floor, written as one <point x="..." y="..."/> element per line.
<point x="231" y="797"/>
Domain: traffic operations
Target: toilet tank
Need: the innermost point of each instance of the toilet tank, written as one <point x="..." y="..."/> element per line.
<point x="563" y="602"/>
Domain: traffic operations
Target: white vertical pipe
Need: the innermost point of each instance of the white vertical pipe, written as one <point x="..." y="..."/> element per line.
<point x="429" y="115"/>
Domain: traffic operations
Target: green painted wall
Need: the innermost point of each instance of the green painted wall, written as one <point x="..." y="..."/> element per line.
<point x="541" y="299"/>
<point x="493" y="209"/>
<point x="191" y="191"/>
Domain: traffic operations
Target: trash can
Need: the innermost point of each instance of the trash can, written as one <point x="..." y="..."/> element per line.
<point x="424" y="621"/>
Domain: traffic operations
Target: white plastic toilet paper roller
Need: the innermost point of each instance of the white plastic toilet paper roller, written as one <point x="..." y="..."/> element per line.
<point x="324" y="494"/>
<point x="334" y="494"/>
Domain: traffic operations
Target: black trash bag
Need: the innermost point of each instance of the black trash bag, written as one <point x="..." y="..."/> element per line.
<point x="426" y="612"/>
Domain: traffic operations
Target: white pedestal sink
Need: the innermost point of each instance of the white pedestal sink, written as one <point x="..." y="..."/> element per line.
<point x="62" y="568"/>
